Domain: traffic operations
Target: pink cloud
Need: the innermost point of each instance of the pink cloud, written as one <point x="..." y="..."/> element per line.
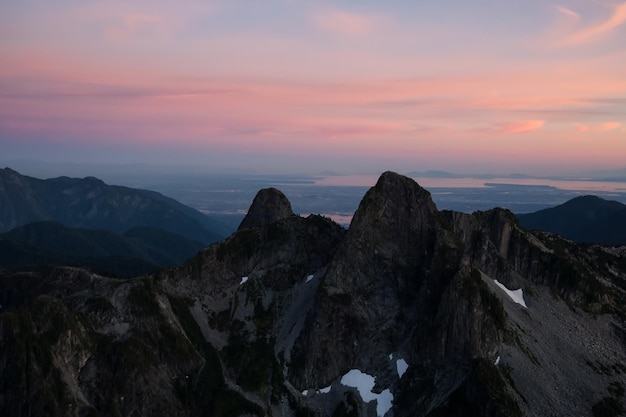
<point x="602" y="127"/>
<point x="344" y="23"/>
<point x="598" y="30"/>
<point x="520" y="126"/>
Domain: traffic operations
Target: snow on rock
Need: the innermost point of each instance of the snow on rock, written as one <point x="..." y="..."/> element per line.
<point x="305" y="392"/>
<point x="497" y="361"/>
<point x="309" y="278"/>
<point x="401" y="366"/>
<point x="383" y="402"/>
<point x="517" y="295"/>
<point x="325" y="390"/>
<point x="243" y="280"/>
<point x="364" y="383"/>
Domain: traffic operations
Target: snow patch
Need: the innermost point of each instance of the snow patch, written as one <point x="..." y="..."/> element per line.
<point x="364" y="383"/>
<point x="325" y="390"/>
<point x="401" y="367"/>
<point x="516" y="295"/>
<point x="497" y="361"/>
<point x="243" y="280"/>
<point x="309" y="278"/>
<point x="305" y="392"/>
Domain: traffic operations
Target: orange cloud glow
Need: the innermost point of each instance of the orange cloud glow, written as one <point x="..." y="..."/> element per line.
<point x="608" y="126"/>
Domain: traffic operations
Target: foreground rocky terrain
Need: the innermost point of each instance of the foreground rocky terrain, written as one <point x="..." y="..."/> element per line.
<point x="410" y="312"/>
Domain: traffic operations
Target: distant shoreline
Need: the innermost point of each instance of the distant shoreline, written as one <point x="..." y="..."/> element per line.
<point x="570" y="185"/>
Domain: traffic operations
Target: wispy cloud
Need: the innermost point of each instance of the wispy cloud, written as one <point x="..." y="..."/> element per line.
<point x="520" y="126"/>
<point x="568" y="12"/>
<point x="601" y="127"/>
<point x="344" y="23"/>
<point x="596" y="31"/>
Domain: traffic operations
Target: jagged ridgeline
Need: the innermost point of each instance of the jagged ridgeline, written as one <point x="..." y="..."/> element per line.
<point x="410" y="312"/>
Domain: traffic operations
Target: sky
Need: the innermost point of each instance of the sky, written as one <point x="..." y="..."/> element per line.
<point x="286" y="86"/>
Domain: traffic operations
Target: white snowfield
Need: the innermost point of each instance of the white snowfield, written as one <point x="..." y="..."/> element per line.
<point x="364" y="383"/>
<point x="401" y="367"/>
<point x="243" y="280"/>
<point x="516" y="295"/>
<point x="309" y="278"/>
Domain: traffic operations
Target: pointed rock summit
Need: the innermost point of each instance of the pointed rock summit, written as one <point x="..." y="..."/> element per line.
<point x="393" y="202"/>
<point x="269" y="205"/>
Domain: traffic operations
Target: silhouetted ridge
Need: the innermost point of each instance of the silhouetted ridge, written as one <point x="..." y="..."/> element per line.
<point x="587" y="219"/>
<point x="269" y="205"/>
<point x="89" y="203"/>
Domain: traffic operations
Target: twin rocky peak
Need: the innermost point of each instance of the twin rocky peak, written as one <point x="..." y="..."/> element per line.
<point x="412" y="311"/>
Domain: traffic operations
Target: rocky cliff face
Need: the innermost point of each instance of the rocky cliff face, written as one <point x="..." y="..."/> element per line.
<point x="411" y="311"/>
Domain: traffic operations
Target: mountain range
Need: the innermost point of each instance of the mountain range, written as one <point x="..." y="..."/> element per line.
<point x="412" y="311"/>
<point x="108" y="229"/>
<point x="89" y="203"/>
<point x="585" y="219"/>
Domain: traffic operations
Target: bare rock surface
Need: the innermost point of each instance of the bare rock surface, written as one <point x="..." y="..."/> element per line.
<point x="270" y="320"/>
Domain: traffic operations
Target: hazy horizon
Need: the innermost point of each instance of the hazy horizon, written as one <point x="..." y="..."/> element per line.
<point x="115" y="170"/>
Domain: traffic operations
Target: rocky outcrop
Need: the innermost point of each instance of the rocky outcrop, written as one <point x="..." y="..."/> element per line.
<point x="283" y="316"/>
<point x="268" y="206"/>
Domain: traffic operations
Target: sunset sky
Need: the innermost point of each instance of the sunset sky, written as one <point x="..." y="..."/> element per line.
<point x="529" y="86"/>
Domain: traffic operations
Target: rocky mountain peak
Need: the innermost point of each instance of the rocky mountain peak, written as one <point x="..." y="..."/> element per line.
<point x="395" y="198"/>
<point x="396" y="215"/>
<point x="269" y="205"/>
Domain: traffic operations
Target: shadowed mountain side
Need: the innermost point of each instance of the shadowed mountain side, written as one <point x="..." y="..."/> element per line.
<point x="138" y="251"/>
<point x="91" y="204"/>
<point x="587" y="219"/>
<point x="410" y="312"/>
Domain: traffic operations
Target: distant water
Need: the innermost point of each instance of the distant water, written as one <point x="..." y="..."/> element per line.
<point x="427" y="182"/>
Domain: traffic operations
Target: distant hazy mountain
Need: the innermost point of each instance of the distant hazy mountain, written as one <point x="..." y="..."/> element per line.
<point x="433" y="174"/>
<point x="90" y="203"/>
<point x="587" y="219"/>
<point x="140" y="250"/>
